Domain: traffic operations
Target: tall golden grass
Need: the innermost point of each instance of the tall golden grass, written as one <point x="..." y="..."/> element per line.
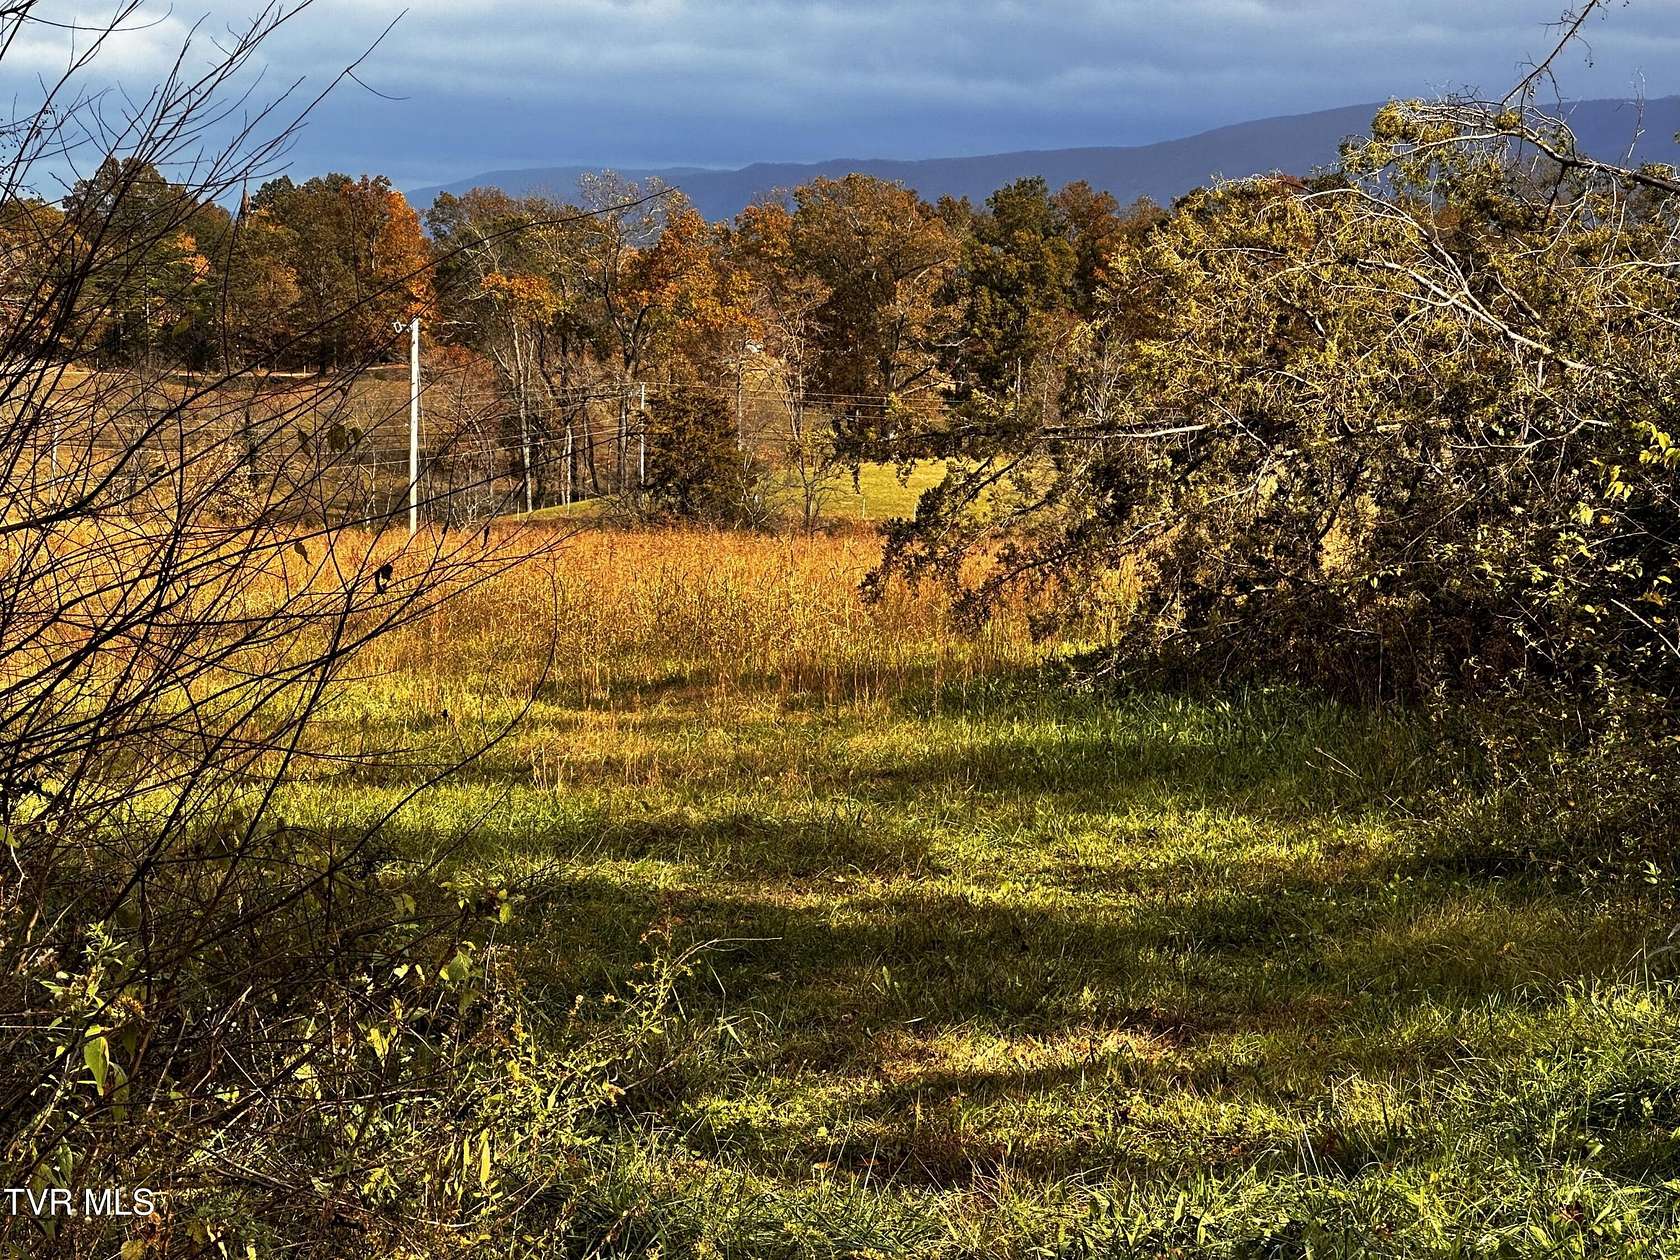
<point x="610" y="612"/>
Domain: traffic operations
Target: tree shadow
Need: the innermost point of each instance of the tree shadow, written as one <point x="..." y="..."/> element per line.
<point x="1255" y="972"/>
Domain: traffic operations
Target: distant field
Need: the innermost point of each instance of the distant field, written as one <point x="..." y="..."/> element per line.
<point x="999" y="968"/>
<point x="879" y="494"/>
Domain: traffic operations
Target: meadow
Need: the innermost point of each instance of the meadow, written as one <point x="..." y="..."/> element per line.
<point x="389" y="875"/>
<point x="959" y="956"/>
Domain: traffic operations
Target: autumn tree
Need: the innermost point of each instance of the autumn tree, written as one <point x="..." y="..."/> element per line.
<point x="522" y="305"/>
<point x="882" y="255"/>
<point x="258" y="321"/>
<point x="708" y="317"/>
<point x="149" y="286"/>
<point x="359" y="258"/>
<point x="493" y="281"/>
<point x="656" y="281"/>
<point x="696" y="469"/>
<point x="785" y="300"/>
<point x="32" y="236"/>
<point x="1015" y="287"/>
<point x="1097" y="228"/>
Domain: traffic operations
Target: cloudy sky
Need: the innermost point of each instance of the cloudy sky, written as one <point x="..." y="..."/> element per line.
<point x="499" y="83"/>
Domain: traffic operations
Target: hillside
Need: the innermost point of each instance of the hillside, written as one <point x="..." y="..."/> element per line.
<point x="1296" y="143"/>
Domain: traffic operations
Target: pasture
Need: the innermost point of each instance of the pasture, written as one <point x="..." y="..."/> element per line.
<point x="956" y="955"/>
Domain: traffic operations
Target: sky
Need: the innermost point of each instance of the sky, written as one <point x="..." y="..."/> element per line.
<point x="457" y="87"/>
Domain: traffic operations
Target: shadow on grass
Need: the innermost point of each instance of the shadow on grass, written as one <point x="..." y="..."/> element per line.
<point x="1257" y="970"/>
<point x="1193" y="963"/>
<point x="901" y="1002"/>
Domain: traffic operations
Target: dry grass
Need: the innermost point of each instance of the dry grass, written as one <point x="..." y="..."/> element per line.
<point x="631" y="613"/>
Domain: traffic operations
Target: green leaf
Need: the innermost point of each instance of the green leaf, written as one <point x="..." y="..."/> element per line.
<point x="96" y="1053"/>
<point x="457" y="969"/>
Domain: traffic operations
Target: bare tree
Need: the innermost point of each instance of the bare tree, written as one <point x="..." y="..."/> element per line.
<point x="196" y="992"/>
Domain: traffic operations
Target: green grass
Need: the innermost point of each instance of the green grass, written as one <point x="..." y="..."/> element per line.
<point x="880" y="495"/>
<point x="877" y="495"/>
<point x="1025" y="972"/>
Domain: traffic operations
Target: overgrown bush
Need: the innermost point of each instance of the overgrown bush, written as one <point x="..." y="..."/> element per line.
<point x="1406" y="427"/>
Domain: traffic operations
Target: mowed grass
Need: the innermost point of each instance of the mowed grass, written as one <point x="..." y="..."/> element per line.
<point x="879" y="492"/>
<point x="996" y="965"/>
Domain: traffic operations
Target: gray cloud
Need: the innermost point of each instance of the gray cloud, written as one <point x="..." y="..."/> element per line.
<point x="516" y="82"/>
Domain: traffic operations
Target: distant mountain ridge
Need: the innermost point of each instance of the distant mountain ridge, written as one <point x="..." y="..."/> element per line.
<point x="1295" y="143"/>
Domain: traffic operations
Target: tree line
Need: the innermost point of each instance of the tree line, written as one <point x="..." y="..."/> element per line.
<point x="303" y="276"/>
<point x="853" y="306"/>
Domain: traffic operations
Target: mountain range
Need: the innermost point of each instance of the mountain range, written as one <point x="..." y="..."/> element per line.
<point x="1296" y="144"/>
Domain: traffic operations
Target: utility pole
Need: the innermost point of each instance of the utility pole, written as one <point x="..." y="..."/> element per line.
<point x="413" y="423"/>
<point x="641" y="452"/>
<point x="570" y="462"/>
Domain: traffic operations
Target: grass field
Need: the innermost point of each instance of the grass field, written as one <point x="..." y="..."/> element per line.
<point x="878" y="493"/>
<point x="996" y="965"/>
